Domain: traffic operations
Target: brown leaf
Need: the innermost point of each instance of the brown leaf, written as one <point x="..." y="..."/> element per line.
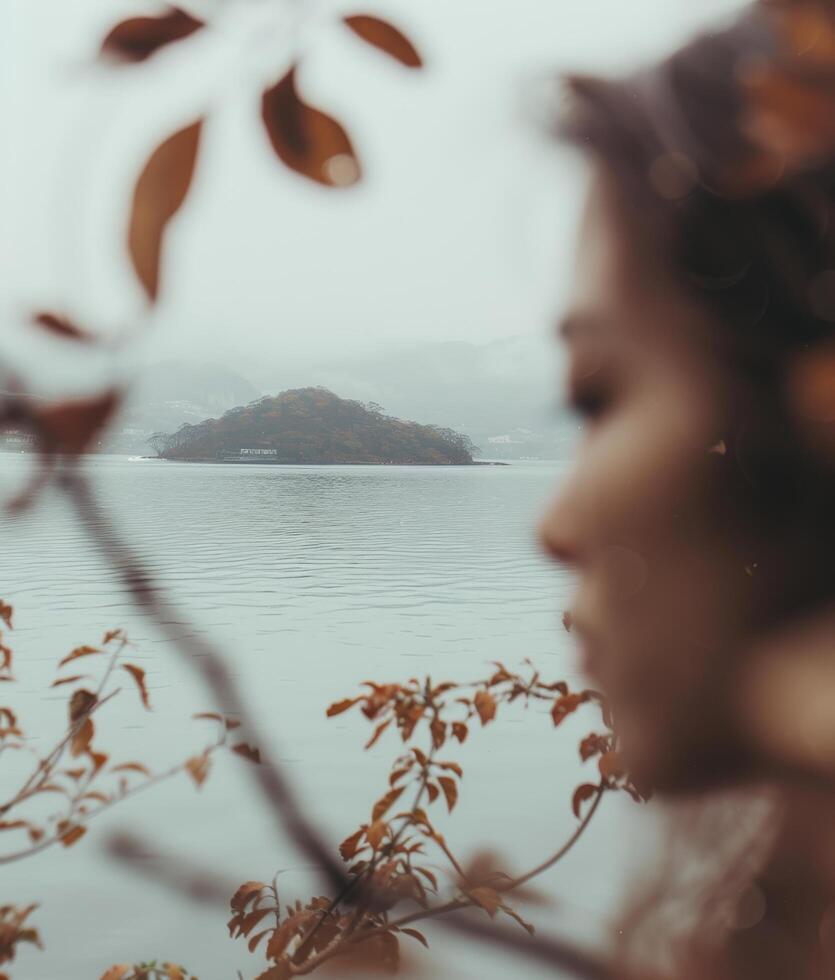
<point x="452" y="767"/>
<point x="611" y="766"/>
<point x="416" y="935"/>
<point x="71" y="426"/>
<point x="248" y="752"/>
<point x="433" y="792"/>
<point x="159" y="194"/>
<point x="386" y="37"/>
<point x="137" y="39"/>
<point x="349" y="847"/>
<point x="69" y="833"/>
<point x="375" y="833"/>
<point x="98" y="759"/>
<point x="485" y="705"/>
<point x="82" y="738"/>
<point x="305" y="139"/>
<point x="566" y="705"/>
<point x="198" y="768"/>
<point x="339" y="706"/>
<point x="450" y="788"/>
<point x="385" y="802"/>
<point x="248" y="891"/>
<point x="111" y="635"/>
<point x="84" y="651"/>
<point x="69" y="680"/>
<point x="487" y="898"/>
<point x="132" y="767"/>
<point x="438" y="730"/>
<point x="62" y="327"/>
<point x="583" y="792"/>
<point x="250" y="921"/>
<point x="460" y="731"/>
<point x="117" y="972"/>
<point x="378" y="731"/>
<point x="6" y="613"/>
<point x="254" y="940"/>
<point x="282" y="936"/>
<point x="138" y="674"/>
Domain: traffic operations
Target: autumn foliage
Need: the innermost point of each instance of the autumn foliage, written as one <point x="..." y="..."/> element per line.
<point x="392" y="857"/>
<point x="85" y="778"/>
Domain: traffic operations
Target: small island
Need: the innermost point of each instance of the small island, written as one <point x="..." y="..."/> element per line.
<point x="313" y="425"/>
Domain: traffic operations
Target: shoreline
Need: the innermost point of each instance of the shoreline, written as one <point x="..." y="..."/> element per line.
<point x="268" y="462"/>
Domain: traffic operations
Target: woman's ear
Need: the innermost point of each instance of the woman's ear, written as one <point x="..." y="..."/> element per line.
<point x="810" y="392"/>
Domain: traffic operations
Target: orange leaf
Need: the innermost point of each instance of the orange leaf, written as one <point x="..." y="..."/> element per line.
<point x="460" y="731"/>
<point x="375" y="833"/>
<point x="159" y="194"/>
<point x="251" y="920"/>
<point x="254" y="940"/>
<point x="82" y="738"/>
<point x="349" y="847"/>
<point x="339" y="706"/>
<point x="61" y="327"/>
<point x="245" y="894"/>
<point x="132" y="767"/>
<point x="6" y="613"/>
<point x="386" y="37"/>
<point x="485" y="705"/>
<point x="378" y="731"/>
<point x="566" y="705"/>
<point x="487" y="898"/>
<point x="198" y="768"/>
<point x="69" y="680"/>
<point x="70" y="833"/>
<point x="117" y="972"/>
<point x="305" y="139"/>
<point x="385" y="802"/>
<point x="138" y="674"/>
<point x="433" y="792"/>
<point x="98" y="759"/>
<point x="84" y="651"/>
<point x="416" y="935"/>
<point x="610" y="766"/>
<point x="248" y="752"/>
<point x="450" y="789"/>
<point x="438" y="730"/>
<point x="583" y="792"/>
<point x="137" y="39"/>
<point x="453" y="767"/>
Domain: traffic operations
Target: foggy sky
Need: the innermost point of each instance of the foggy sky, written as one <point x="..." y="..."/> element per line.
<point x="461" y="230"/>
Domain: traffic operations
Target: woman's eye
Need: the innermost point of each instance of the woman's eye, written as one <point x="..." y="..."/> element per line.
<point x="589" y="404"/>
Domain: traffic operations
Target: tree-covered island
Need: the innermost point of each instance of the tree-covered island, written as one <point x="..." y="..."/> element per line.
<point x="313" y="425"/>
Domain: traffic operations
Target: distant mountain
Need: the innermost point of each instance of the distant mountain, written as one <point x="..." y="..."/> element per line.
<point x="313" y="425"/>
<point x="168" y="394"/>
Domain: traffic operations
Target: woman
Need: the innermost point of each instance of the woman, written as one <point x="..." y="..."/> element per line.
<point x="699" y="517"/>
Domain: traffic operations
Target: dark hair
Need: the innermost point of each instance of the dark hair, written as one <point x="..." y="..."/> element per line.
<point x="751" y="224"/>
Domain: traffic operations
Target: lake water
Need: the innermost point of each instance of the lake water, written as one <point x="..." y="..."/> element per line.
<point x="313" y="579"/>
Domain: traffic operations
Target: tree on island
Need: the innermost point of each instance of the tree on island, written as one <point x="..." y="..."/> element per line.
<point x="313" y="425"/>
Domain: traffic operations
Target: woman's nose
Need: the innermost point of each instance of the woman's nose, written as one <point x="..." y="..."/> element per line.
<point x="558" y="532"/>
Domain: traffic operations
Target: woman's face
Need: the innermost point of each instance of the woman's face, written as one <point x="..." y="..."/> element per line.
<point x="664" y="585"/>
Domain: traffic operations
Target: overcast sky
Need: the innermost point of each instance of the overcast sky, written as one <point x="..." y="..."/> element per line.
<point x="461" y="231"/>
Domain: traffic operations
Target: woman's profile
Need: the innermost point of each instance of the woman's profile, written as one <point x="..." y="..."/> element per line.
<point x="699" y="516"/>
